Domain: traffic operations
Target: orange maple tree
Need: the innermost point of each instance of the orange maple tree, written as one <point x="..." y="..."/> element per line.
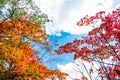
<point x="100" y="45"/>
<point x="17" y="58"/>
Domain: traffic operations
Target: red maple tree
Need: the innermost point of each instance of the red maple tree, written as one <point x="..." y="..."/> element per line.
<point x="102" y="43"/>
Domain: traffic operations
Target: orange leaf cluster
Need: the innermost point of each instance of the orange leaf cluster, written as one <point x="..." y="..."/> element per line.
<point x="14" y="32"/>
<point x="17" y="58"/>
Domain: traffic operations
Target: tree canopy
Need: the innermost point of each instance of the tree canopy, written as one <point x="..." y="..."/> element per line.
<point x="21" y="22"/>
<point x="13" y="9"/>
<point x="101" y="44"/>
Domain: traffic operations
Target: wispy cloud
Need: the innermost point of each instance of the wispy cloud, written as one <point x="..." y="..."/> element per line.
<point x="68" y="68"/>
<point x="64" y="14"/>
<point x="77" y="69"/>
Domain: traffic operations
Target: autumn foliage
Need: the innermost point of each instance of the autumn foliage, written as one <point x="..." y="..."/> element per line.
<point x="100" y="45"/>
<point x="17" y="58"/>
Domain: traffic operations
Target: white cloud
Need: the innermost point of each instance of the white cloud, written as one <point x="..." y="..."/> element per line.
<point x="68" y="68"/>
<point x="73" y="69"/>
<point x="64" y="14"/>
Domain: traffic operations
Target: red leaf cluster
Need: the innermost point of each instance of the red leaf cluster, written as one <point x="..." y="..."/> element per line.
<point x="101" y="43"/>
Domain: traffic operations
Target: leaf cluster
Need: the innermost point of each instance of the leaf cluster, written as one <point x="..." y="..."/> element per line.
<point x="100" y="45"/>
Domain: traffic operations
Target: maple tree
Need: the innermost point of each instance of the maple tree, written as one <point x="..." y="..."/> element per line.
<point x="17" y="59"/>
<point x="27" y="9"/>
<point x="20" y="27"/>
<point x="101" y="45"/>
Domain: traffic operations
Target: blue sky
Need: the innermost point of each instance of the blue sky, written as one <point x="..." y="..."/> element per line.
<point x="63" y="15"/>
<point x="62" y="40"/>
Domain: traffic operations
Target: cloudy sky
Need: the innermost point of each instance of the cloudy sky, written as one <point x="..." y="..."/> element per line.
<point x="63" y="15"/>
